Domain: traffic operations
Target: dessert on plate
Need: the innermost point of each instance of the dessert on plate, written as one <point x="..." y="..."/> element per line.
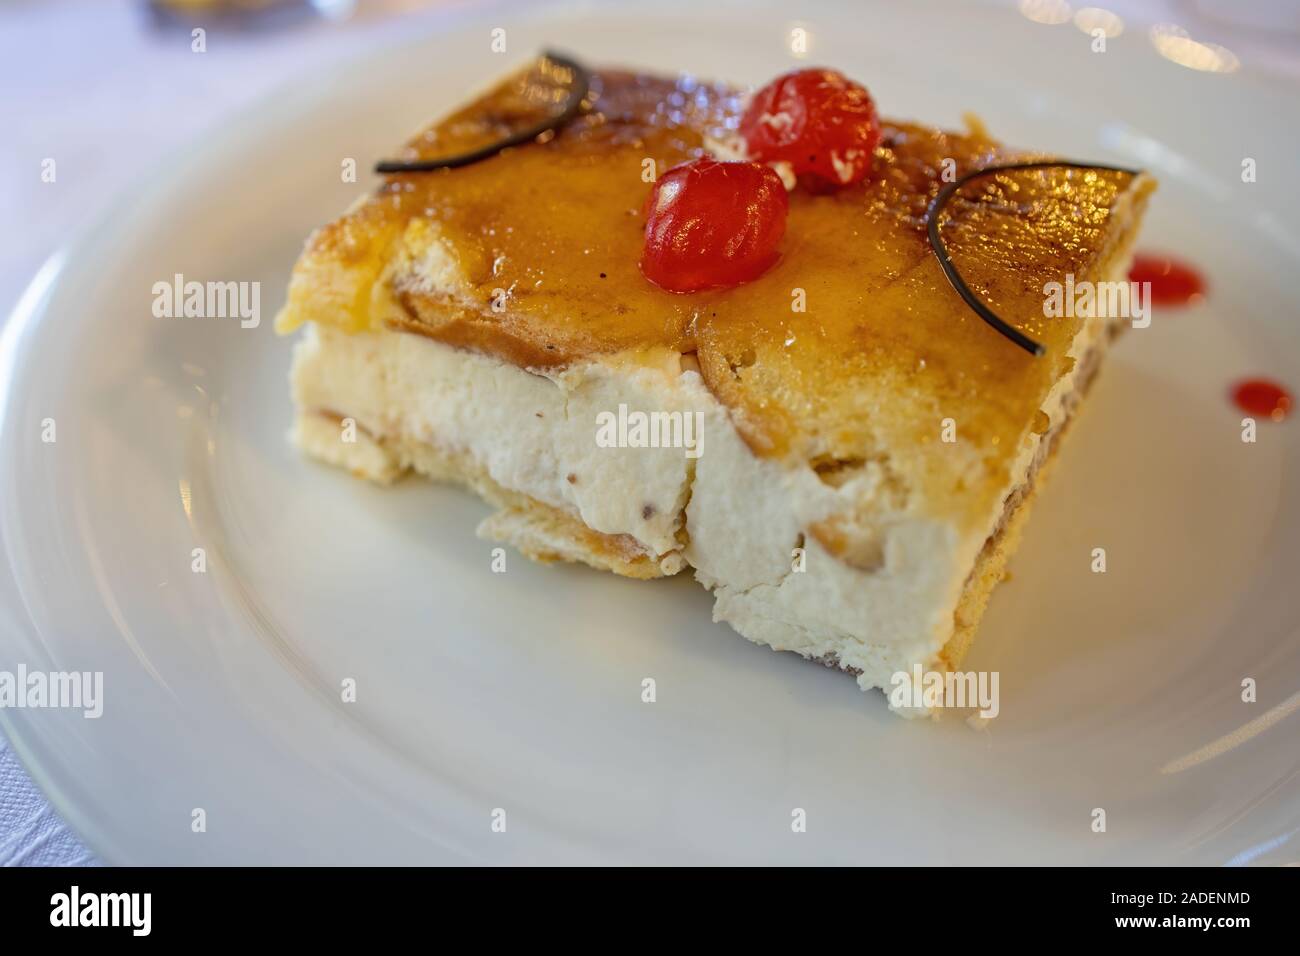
<point x="774" y="340"/>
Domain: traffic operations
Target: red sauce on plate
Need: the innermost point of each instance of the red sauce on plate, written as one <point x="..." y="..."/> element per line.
<point x="1172" y="282"/>
<point x="1262" y="398"/>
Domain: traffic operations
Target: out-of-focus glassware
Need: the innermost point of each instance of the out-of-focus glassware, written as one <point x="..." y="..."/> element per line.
<point x="245" y="13"/>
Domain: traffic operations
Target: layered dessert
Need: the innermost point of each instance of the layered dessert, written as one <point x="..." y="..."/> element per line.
<point x="665" y="327"/>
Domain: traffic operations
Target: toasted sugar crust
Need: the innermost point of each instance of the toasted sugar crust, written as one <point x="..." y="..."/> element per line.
<point x="884" y="352"/>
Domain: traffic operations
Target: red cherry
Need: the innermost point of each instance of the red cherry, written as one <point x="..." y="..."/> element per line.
<point x="710" y="225"/>
<point x="819" y="121"/>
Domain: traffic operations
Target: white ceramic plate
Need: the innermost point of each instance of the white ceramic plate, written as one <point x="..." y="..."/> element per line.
<point x="521" y="691"/>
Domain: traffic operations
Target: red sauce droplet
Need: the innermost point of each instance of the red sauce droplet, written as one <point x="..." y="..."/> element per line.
<point x="1262" y="399"/>
<point x="1172" y="282"/>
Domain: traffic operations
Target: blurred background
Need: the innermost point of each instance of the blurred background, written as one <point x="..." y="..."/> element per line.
<point x="110" y="88"/>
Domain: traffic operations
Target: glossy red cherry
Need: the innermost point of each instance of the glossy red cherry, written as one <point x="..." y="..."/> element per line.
<point x="819" y="121"/>
<point x="711" y="225"/>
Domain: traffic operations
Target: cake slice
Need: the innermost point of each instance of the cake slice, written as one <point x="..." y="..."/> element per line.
<point x="839" y="448"/>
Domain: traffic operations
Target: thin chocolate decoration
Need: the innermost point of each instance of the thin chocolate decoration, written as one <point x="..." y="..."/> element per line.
<point x="572" y="107"/>
<point x="945" y="260"/>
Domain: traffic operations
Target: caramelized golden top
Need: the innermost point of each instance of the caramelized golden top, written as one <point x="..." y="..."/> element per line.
<point x="885" y="349"/>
